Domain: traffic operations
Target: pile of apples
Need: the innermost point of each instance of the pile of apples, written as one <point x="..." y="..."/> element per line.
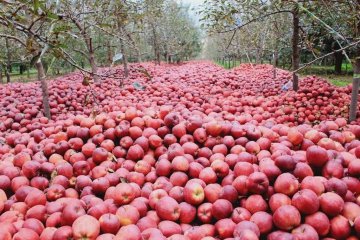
<point x="210" y="161"/>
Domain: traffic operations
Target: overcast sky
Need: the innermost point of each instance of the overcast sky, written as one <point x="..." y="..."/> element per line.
<point x="193" y="4"/>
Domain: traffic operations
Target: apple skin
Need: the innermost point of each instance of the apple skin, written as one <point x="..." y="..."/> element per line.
<point x="246" y="225"/>
<point x="168" y="209"/>
<point x="225" y="228"/>
<point x="194" y="193"/>
<point x="287" y="184"/>
<point x="340" y="227"/>
<point x="257" y="183"/>
<point x="48" y="233"/>
<point x="255" y="203"/>
<point x="221" y="209"/>
<point x="316" y="156"/>
<point x="320" y="222"/>
<point x="204" y="212"/>
<point x="25" y="234"/>
<point x="286" y="217"/>
<point x="127" y="214"/>
<point x="187" y="213"/>
<point x="86" y="227"/>
<point x="331" y="203"/>
<point x="240" y="214"/>
<point x="109" y="223"/>
<point x="129" y="232"/>
<point x="277" y="200"/>
<point x="71" y="212"/>
<point x="263" y="220"/>
<point x="305" y="232"/>
<point x="306" y="201"/>
<point x="124" y="194"/>
<point x="169" y="228"/>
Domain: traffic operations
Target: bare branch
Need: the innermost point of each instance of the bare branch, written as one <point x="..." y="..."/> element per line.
<point x="256" y="19"/>
<point x="326" y="55"/>
<point x="13" y="37"/>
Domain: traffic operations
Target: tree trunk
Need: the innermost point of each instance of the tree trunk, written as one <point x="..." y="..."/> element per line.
<point x="1" y="76"/>
<point x="295" y="47"/>
<point x="355" y="90"/>
<point x="356" y="79"/>
<point x="109" y="53"/>
<point x="275" y="60"/>
<point x="44" y="88"/>
<point x="8" y="61"/>
<point x="93" y="66"/>
<point x="21" y="69"/>
<point x="125" y="60"/>
<point x="156" y="47"/>
<point x="338" y="62"/>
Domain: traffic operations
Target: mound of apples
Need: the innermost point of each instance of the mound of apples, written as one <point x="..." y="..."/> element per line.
<point x="196" y="155"/>
<point x="174" y="175"/>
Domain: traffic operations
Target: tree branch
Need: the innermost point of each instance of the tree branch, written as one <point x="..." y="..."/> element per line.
<point x="255" y="19"/>
<point x="13" y="37"/>
<point x="326" y="55"/>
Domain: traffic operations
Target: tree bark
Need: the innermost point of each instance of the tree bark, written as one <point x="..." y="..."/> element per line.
<point x="92" y="61"/>
<point x="355" y="90"/>
<point x="1" y="76"/>
<point x="8" y="61"/>
<point x="125" y="59"/>
<point x="44" y="88"/>
<point x="275" y="61"/>
<point x="156" y="47"/>
<point x="109" y="53"/>
<point x="338" y="62"/>
<point x="295" y="47"/>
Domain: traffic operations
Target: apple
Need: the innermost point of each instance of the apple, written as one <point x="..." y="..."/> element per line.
<point x="204" y="212"/>
<point x="255" y="203"/>
<point x="331" y="203"/>
<point x="316" y="156"/>
<point x="263" y="220"/>
<point x="286" y="217"/>
<point x="194" y="193"/>
<point x="124" y="194"/>
<point x="25" y="234"/>
<point x="240" y="214"/>
<point x="306" y="201"/>
<point x="245" y="226"/>
<point x="129" y="232"/>
<point x="221" y="209"/>
<point x="339" y="227"/>
<point x="169" y="228"/>
<point x="109" y="223"/>
<point x="225" y="228"/>
<point x="320" y="222"/>
<point x="277" y="200"/>
<point x="287" y="184"/>
<point x="86" y="227"/>
<point x="305" y="232"/>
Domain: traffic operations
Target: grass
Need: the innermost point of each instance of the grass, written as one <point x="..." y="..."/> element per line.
<point x="338" y="80"/>
<point x="227" y="64"/>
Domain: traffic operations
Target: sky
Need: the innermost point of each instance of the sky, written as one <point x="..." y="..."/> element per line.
<point x="193" y="4"/>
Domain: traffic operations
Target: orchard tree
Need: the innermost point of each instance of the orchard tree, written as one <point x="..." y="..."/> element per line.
<point x="32" y="24"/>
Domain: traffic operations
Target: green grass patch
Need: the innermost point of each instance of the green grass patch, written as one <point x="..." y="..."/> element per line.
<point x="228" y="64"/>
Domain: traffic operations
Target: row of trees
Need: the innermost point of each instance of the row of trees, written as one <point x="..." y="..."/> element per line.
<point x="86" y="34"/>
<point x="287" y="30"/>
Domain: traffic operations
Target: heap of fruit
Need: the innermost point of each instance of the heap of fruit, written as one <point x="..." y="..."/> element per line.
<point x="188" y="163"/>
